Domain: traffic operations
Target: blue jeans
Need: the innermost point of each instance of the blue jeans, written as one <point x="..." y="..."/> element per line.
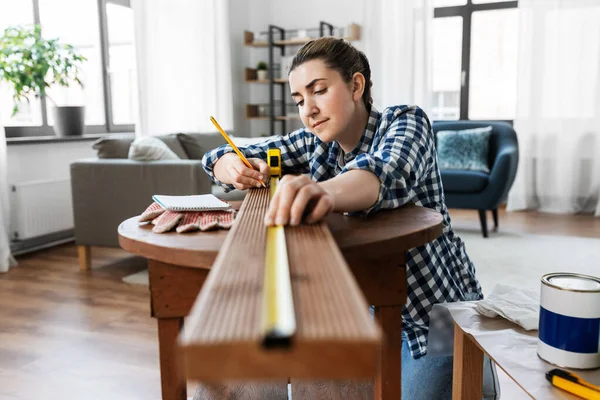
<point x="430" y="378"/>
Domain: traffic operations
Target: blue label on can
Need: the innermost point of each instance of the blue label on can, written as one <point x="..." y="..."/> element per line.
<point x="577" y="335"/>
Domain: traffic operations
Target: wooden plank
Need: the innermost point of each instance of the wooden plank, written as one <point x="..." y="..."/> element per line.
<point x="467" y="375"/>
<point x="336" y="337"/>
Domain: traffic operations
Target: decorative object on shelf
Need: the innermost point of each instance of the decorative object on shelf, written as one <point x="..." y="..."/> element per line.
<point x="262" y="71"/>
<point x="32" y="64"/>
<point x="302" y="34"/>
<point x="263" y="110"/>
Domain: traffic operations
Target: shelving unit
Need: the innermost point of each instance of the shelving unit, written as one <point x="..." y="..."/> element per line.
<point x="279" y="39"/>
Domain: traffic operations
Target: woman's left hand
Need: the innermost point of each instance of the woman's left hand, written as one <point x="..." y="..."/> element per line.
<point x="298" y="198"/>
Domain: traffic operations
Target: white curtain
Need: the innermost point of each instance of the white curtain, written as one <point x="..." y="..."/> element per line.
<point x="398" y="46"/>
<point x="183" y="62"/>
<point x="558" y="107"/>
<point x="6" y="259"/>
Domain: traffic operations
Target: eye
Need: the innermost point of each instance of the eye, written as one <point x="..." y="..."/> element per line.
<point x="321" y="91"/>
<point x="300" y="103"/>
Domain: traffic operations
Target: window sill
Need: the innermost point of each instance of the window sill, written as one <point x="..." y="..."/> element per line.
<point x="57" y="139"/>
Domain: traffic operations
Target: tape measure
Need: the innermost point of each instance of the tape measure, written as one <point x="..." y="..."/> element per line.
<point x="278" y="316"/>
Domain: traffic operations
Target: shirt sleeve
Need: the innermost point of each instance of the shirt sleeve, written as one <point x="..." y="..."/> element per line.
<point x="295" y="147"/>
<point x="401" y="158"/>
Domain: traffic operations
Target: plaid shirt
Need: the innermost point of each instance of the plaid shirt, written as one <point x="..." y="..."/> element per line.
<point x="398" y="146"/>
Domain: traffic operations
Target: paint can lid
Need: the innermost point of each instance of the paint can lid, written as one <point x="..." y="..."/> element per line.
<point x="572" y="282"/>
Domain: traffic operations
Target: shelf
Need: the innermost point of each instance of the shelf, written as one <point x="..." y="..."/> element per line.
<point x="250" y="76"/>
<point x="353" y="34"/>
<point x="282" y="38"/>
<point x="252" y="113"/>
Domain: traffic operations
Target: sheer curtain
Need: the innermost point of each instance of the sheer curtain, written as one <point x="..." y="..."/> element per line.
<point x="6" y="259"/>
<point x="398" y="46"/>
<point x="558" y="107"/>
<point x="183" y="63"/>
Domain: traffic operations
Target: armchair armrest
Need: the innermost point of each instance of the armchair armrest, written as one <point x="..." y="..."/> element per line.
<point x="502" y="176"/>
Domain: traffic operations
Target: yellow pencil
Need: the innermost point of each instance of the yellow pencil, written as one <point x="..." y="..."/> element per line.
<point x="233" y="146"/>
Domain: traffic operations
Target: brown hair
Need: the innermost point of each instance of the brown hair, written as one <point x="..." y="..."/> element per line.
<point x="338" y="55"/>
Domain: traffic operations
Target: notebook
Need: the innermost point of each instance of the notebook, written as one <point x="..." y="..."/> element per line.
<point x="200" y="202"/>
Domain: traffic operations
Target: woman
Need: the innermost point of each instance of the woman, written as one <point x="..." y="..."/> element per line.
<point x="361" y="160"/>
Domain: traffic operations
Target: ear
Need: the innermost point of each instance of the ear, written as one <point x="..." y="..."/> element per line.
<point x="358" y="86"/>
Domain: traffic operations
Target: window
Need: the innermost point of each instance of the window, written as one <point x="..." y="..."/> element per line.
<point x="103" y="33"/>
<point x="475" y="59"/>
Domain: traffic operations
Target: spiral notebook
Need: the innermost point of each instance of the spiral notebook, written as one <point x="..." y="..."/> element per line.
<point x="200" y="202"/>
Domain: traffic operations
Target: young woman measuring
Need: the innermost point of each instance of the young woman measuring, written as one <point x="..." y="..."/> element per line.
<point x="354" y="159"/>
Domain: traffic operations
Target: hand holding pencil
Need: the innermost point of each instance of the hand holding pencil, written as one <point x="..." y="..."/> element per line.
<point x="234" y="168"/>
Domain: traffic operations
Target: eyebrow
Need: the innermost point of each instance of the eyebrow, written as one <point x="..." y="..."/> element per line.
<point x="311" y="84"/>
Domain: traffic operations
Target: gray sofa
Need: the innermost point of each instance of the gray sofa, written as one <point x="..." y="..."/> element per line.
<point x="111" y="188"/>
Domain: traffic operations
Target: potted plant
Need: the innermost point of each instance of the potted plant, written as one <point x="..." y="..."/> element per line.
<point x="31" y="64"/>
<point x="261" y="71"/>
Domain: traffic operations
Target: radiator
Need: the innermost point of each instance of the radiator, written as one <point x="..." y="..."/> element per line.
<point x="40" y="207"/>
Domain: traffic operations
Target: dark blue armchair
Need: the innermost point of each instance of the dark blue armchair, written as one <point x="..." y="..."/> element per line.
<point x="475" y="189"/>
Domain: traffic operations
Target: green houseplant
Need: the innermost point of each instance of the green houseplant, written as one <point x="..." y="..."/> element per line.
<point x="31" y="64"/>
<point x="261" y="70"/>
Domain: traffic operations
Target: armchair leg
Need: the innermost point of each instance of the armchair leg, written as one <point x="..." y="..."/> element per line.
<point x="495" y="214"/>
<point x="483" y="221"/>
<point x="84" y="254"/>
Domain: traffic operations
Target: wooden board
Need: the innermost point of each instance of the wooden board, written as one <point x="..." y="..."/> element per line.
<point x="336" y="337"/>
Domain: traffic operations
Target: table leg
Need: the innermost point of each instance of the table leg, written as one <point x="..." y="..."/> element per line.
<point x="172" y="380"/>
<point x="467" y="376"/>
<point x="388" y="382"/>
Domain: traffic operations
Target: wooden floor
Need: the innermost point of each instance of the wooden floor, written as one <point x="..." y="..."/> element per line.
<point x="66" y="334"/>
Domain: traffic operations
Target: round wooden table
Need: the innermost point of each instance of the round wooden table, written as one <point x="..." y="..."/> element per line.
<point x="373" y="247"/>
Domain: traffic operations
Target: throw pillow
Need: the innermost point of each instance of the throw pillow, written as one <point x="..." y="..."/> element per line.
<point x="113" y="147"/>
<point x="464" y="149"/>
<point x="150" y="149"/>
<point x="172" y="142"/>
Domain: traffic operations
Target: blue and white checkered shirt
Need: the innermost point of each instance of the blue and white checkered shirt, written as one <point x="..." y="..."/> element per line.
<point x="398" y="146"/>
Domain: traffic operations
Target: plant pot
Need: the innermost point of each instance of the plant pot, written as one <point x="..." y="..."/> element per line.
<point x="69" y="121"/>
<point x="262" y="74"/>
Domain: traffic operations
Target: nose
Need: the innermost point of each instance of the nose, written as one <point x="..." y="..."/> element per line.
<point x="310" y="108"/>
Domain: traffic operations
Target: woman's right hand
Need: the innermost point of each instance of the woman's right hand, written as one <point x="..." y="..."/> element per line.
<point x="231" y="169"/>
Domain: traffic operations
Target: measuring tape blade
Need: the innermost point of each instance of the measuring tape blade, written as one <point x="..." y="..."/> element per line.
<point x="278" y="316"/>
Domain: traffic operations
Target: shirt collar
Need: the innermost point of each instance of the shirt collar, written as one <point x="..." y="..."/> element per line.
<point x="366" y="139"/>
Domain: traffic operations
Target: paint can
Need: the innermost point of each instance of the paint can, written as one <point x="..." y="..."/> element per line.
<point x="569" y="330"/>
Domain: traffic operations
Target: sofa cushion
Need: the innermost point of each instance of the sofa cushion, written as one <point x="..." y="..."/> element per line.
<point x="113" y="147"/>
<point x="150" y="148"/>
<point x="173" y="143"/>
<point x="118" y="147"/>
<point x="463" y="181"/>
<point x="196" y="144"/>
<point x="465" y="149"/>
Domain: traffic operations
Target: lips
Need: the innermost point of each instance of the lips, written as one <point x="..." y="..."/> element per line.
<point x="316" y="124"/>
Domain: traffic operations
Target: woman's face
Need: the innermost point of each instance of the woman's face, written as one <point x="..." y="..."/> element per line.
<point x="326" y="103"/>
